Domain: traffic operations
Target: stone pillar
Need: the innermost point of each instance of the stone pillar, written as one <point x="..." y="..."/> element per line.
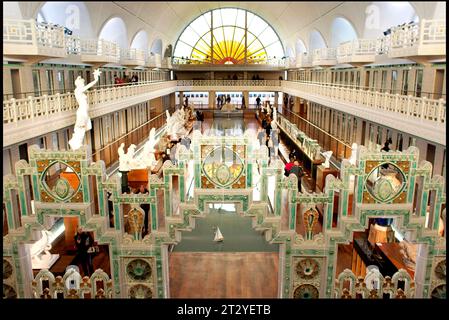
<point x="246" y="96"/>
<point x="212" y="75"/>
<point x="212" y="100"/>
<point x="245" y="75"/>
<point x="422" y="260"/>
<point x="276" y="98"/>
<point x="296" y="105"/>
<point x="23" y="258"/>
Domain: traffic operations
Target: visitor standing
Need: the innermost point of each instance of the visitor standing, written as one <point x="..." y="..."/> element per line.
<point x="258" y="102"/>
<point x="83" y="242"/>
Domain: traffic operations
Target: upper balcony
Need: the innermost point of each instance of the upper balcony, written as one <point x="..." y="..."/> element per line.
<point x="29" y="41"/>
<point x="154" y="61"/>
<point x="34" y="116"/>
<point x="324" y="57"/>
<point x="99" y="52"/>
<point x="304" y="60"/>
<point x="268" y="64"/>
<point x="357" y="52"/>
<point x="421" y="42"/>
<point x="132" y="57"/>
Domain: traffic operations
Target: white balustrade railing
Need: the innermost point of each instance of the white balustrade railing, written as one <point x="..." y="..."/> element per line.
<point x="427" y="32"/>
<point x="100" y="48"/>
<point x="154" y="60"/>
<point x="409" y="106"/>
<point x="359" y="47"/>
<point x="15" y="110"/>
<point x="324" y="54"/>
<point x="132" y="54"/>
<point x="30" y="32"/>
<point x="304" y="60"/>
<point x="229" y="83"/>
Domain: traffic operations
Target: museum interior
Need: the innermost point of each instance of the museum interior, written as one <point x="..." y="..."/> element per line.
<point x="224" y="150"/>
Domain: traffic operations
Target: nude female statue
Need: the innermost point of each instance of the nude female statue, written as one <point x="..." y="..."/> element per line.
<point x="83" y="122"/>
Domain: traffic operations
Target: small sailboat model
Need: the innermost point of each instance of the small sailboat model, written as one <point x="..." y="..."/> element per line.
<point x="218" y="235"/>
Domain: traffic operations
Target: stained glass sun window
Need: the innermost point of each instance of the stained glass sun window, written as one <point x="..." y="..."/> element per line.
<point x="228" y="36"/>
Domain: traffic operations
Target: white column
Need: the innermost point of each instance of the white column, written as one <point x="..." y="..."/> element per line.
<point x="420" y="271"/>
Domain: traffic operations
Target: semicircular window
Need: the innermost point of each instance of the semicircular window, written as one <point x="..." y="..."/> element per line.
<point x="60" y="181"/>
<point x="138" y="270"/>
<point x="223" y="167"/>
<point x="228" y="36"/>
<point x="385" y="182"/>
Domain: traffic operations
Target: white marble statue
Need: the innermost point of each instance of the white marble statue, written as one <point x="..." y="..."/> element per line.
<point x="176" y="123"/>
<point x="353" y="157"/>
<point x="41" y="258"/>
<point x="327" y="156"/>
<point x="126" y="160"/>
<point x="83" y="122"/>
<point x="274" y="123"/>
<point x="147" y="157"/>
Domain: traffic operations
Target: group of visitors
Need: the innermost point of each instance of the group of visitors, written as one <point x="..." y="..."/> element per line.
<point x="222" y="99"/>
<point x="126" y="79"/>
<point x="294" y="167"/>
<point x="256" y="77"/>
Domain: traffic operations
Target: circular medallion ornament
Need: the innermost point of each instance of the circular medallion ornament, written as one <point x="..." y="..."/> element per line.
<point x="139" y="291"/>
<point x="138" y="270"/>
<point x="223" y="167"/>
<point x="307" y="268"/>
<point x="306" y="291"/>
<point x="385" y="182"/>
<point x="440" y="270"/>
<point x="7" y="269"/>
<point x="439" y="292"/>
<point x="9" y="292"/>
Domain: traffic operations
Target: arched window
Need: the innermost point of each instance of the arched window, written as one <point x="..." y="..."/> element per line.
<point x="140" y="41"/>
<point x="341" y="31"/>
<point x="228" y="36"/>
<point x="115" y="31"/>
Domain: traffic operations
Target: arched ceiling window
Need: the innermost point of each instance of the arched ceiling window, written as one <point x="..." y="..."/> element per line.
<point x="228" y="36"/>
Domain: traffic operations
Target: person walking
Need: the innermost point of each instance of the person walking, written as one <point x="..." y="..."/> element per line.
<point x="243" y="102"/>
<point x="218" y="102"/>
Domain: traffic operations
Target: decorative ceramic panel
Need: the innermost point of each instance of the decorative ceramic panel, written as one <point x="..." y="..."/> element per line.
<point x="307" y="268"/>
<point x="139" y="270"/>
<point x="63" y="185"/>
<point x="384" y="183"/>
<point x="9" y="292"/>
<point x="306" y="291"/>
<point x="439" y="292"/>
<point x="440" y="270"/>
<point x="7" y="269"/>
<point x="223" y="167"/>
<point x="140" y="291"/>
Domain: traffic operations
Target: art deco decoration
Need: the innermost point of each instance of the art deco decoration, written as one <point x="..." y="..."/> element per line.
<point x="9" y="292"/>
<point x="138" y="270"/>
<point x="83" y="122"/>
<point x="223" y="167"/>
<point x="7" y="269"/>
<point x="310" y="220"/>
<point x="306" y="291"/>
<point x="439" y="292"/>
<point x="440" y="270"/>
<point x="385" y="182"/>
<point x="140" y="291"/>
<point x="307" y="268"/>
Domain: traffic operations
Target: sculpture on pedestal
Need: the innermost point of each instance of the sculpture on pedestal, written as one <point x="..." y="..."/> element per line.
<point x="353" y="157"/>
<point x="83" y="122"/>
<point x="327" y="156"/>
<point x="176" y="123"/>
<point x="41" y="258"/>
<point x="147" y="157"/>
<point x="126" y="160"/>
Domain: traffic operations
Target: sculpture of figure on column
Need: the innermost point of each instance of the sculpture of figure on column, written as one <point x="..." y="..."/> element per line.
<point x="353" y="157"/>
<point x="126" y="161"/>
<point x="83" y="122"/>
<point x="147" y="157"/>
